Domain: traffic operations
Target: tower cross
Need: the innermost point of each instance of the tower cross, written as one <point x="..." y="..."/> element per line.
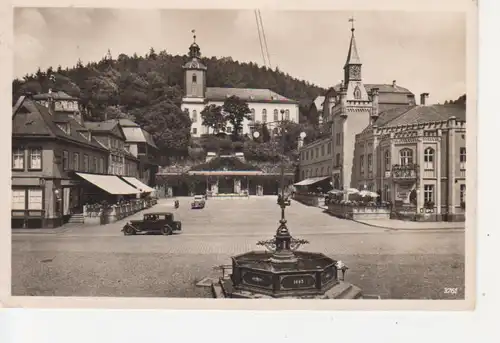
<point x="351" y="20"/>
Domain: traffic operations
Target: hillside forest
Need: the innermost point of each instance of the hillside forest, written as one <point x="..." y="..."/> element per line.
<point x="149" y="89"/>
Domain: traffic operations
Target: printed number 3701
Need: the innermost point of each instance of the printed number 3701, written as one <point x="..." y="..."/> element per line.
<point x="450" y="290"/>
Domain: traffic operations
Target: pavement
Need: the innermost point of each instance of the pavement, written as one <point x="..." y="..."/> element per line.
<point x="101" y="261"/>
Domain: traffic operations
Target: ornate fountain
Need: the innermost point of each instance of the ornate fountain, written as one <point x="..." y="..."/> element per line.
<point x="281" y="271"/>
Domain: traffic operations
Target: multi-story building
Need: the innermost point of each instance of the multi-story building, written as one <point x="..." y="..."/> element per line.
<point x="58" y="164"/>
<point x="47" y="145"/>
<point x="110" y="135"/>
<point x="415" y="157"/>
<point x="265" y="105"/>
<point x="316" y="160"/>
<point x="140" y="144"/>
<point x="347" y="109"/>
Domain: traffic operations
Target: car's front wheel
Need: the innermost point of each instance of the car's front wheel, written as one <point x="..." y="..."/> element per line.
<point x="128" y="230"/>
<point x="166" y="230"/>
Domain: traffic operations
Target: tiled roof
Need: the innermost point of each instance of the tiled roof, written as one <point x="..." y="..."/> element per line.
<point x="382" y="88"/>
<point x="127" y="123"/>
<point x="58" y="95"/>
<point x="407" y="115"/>
<point x="100" y="125"/>
<point x="34" y="119"/>
<point x="425" y="114"/>
<point x="248" y="94"/>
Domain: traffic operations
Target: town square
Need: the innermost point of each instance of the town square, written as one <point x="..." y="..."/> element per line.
<point x="177" y="174"/>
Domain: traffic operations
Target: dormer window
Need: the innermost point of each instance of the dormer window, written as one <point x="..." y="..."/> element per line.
<point x="64" y="127"/>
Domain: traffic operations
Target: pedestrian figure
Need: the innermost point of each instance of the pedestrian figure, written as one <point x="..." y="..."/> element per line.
<point x="176" y="203"/>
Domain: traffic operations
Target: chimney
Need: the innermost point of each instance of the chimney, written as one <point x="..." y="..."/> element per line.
<point x="423" y="96"/>
<point x="375" y="110"/>
<point x="394" y="83"/>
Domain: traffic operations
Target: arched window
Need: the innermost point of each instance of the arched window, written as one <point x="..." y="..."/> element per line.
<point x="370" y="163"/>
<point x="287" y="114"/>
<point x="328" y="171"/>
<point x="194" y="79"/>
<point x="322" y="169"/>
<point x="387" y="160"/>
<point x="194" y="118"/>
<point x="252" y="114"/>
<point x="429" y="158"/>
<point x="357" y="93"/>
<point x="316" y="172"/>
<point x="264" y="115"/>
<point x="276" y="115"/>
<point x="405" y="157"/>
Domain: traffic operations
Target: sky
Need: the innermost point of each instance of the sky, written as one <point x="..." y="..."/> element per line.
<point x="422" y="51"/>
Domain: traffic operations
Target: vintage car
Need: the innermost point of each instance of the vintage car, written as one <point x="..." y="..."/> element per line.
<point x="198" y="202"/>
<point x="157" y="222"/>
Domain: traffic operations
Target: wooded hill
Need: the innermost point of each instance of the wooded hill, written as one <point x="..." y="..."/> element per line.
<point x="149" y="89"/>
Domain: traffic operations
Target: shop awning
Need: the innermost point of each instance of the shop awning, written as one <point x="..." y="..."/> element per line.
<point x="312" y="181"/>
<point x="109" y="183"/>
<point x="142" y="187"/>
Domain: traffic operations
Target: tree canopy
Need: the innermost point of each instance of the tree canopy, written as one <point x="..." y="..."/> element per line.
<point x="149" y="89"/>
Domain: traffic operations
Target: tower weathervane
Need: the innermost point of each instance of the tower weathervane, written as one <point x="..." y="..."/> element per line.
<point x="193" y="31"/>
<point x="351" y="20"/>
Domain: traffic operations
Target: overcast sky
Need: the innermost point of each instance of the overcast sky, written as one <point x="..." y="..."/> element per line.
<point x="424" y="52"/>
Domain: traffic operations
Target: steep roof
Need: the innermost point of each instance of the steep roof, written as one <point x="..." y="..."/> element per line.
<point x="353" y="55"/>
<point x="426" y="114"/>
<point x="127" y="123"/>
<point x="248" y="94"/>
<point x="100" y="125"/>
<point x="34" y="119"/>
<point x="416" y="114"/>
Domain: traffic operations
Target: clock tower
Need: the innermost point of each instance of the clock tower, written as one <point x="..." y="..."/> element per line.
<point x="194" y="73"/>
<point x="352" y="72"/>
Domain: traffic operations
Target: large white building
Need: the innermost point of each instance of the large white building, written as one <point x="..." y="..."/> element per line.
<point x="265" y="104"/>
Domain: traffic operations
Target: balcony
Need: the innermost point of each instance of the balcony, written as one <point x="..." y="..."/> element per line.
<point x="405" y="172"/>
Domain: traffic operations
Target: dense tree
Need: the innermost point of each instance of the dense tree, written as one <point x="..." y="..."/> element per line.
<point x="150" y="90"/>
<point x="236" y="111"/>
<point x="213" y="117"/>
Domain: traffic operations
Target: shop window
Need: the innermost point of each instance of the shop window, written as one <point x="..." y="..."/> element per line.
<point x="18" y="199"/>
<point x="35" y="199"/>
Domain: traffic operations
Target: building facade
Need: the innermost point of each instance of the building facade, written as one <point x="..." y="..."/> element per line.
<point x="316" y="159"/>
<point x="48" y="145"/>
<point x="416" y="159"/>
<point x="60" y="163"/>
<point x="265" y="105"/>
<point x="346" y="110"/>
<point x="139" y="143"/>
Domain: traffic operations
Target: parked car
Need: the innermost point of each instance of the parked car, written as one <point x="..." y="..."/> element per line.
<point x="198" y="202"/>
<point x="154" y="222"/>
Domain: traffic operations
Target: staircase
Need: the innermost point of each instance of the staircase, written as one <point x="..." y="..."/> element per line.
<point x="76" y="218"/>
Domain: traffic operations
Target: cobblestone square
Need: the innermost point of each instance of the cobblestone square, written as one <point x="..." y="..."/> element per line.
<point x="100" y="261"/>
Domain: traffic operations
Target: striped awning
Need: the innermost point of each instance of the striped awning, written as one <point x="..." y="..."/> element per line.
<point x="112" y="184"/>
<point x="311" y="181"/>
<point x="142" y="187"/>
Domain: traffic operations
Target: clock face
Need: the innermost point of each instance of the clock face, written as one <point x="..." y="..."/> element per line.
<point x="355" y="72"/>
